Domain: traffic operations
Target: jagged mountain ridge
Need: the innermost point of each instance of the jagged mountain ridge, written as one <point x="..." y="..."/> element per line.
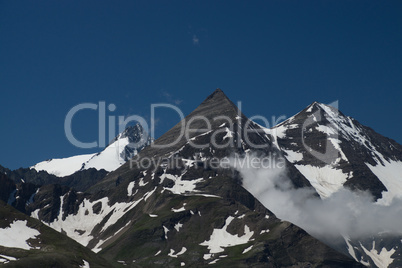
<point x="174" y="213"/>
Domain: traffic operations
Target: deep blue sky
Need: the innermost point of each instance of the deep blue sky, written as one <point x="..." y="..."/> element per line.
<point x="276" y="57"/>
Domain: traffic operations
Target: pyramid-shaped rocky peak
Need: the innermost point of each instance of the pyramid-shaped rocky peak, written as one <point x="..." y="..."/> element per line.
<point x="217" y="92"/>
<point x="321" y="136"/>
<point x="217" y="95"/>
<point x="216" y="104"/>
<point x="216" y="111"/>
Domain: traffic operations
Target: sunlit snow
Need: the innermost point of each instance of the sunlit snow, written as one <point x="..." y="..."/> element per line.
<point x="173" y="255"/>
<point x="6" y="259"/>
<point x="220" y="238"/>
<point x="326" y="180"/>
<point x="390" y="174"/>
<point x="17" y="234"/>
<point x="383" y="258"/>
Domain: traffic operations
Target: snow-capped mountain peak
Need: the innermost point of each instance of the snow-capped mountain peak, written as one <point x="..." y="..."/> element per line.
<point x="333" y="150"/>
<point x="122" y="148"/>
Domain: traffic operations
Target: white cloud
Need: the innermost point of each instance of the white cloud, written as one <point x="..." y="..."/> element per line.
<point x="344" y="212"/>
<point x="196" y="40"/>
<point x="170" y="98"/>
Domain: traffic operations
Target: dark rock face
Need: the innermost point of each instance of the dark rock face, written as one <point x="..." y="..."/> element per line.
<point x="7" y="187"/>
<point x="29" y="175"/>
<point x="138" y="140"/>
<point x="25" y="193"/>
<point x="48" y="199"/>
<point x="83" y="179"/>
<point x="96" y="208"/>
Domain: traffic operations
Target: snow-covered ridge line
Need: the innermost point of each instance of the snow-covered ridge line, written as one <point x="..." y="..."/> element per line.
<point x="112" y="157"/>
<point x="109" y="159"/>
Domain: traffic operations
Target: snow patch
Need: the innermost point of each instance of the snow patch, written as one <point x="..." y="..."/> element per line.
<point x="326" y="180"/>
<point x="182" y="251"/>
<point x="177" y="226"/>
<point x="351" y="251"/>
<point x="207" y="256"/>
<point x="130" y="188"/>
<point x="293" y="156"/>
<point x="98" y="248"/>
<point x="220" y="238"/>
<point x="141" y="183"/>
<point x="214" y="261"/>
<point x="17" y="234"/>
<point x="206" y="195"/>
<point x="390" y="174"/>
<point x="166" y="231"/>
<point x="6" y="259"/>
<point x="85" y="265"/>
<point x="180" y="186"/>
<point x="247" y="249"/>
<point x="229" y="134"/>
<point x="85" y="219"/>
<point x="179" y="209"/>
<point x="325" y="129"/>
<point x="382" y="259"/>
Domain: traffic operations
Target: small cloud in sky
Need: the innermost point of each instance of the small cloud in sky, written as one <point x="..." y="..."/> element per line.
<point x="170" y="98"/>
<point x="196" y="41"/>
